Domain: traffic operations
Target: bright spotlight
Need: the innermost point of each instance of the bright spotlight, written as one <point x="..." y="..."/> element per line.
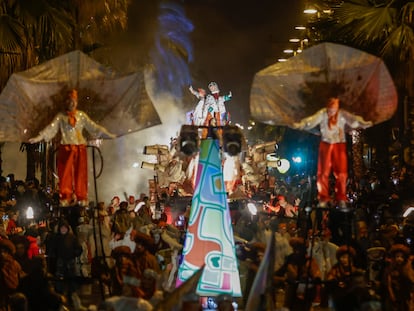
<point x="283" y="166"/>
<point x="297" y="159"/>
<point x="29" y="213"/>
<point x="252" y="208"/>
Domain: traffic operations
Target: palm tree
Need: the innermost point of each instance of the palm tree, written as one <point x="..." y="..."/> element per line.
<point x="384" y="28"/>
<point x="95" y="20"/>
<point x="30" y="33"/>
<point x="35" y="31"/>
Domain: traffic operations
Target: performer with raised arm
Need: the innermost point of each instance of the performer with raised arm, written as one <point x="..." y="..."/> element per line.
<point x="215" y="104"/>
<point x="198" y="114"/>
<point x="72" y="157"/>
<point x="332" y="155"/>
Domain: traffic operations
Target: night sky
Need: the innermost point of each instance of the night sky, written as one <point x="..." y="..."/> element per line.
<point x="235" y="39"/>
<point x="231" y="41"/>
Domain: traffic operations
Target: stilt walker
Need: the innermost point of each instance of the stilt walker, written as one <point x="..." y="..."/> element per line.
<point x="332" y="156"/>
<point x="72" y="157"/>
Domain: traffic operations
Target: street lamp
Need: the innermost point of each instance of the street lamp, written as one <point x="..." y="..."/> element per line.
<point x="289" y="51"/>
<point x="300" y="27"/>
<point x="310" y="10"/>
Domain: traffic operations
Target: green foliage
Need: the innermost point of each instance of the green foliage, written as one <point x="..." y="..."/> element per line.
<point x="381" y="27"/>
<point x="35" y="31"/>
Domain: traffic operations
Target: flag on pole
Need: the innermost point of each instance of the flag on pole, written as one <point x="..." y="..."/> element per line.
<point x="175" y="298"/>
<point x="261" y="296"/>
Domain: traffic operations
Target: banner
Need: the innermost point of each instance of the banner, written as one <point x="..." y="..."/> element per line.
<point x="209" y="239"/>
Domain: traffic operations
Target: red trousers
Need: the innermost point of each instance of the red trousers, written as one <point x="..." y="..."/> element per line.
<point x="72" y="167"/>
<point x="332" y="158"/>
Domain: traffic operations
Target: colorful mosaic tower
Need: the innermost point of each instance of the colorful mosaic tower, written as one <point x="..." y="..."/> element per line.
<point x="209" y="239"/>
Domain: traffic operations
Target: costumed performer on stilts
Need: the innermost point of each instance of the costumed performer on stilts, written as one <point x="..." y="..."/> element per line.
<point x="72" y="157"/>
<point x="332" y="149"/>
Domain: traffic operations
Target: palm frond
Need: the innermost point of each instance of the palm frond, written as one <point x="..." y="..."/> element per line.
<point x="12" y="47"/>
<point x="11" y="35"/>
<point x="400" y="44"/>
<point x="55" y="31"/>
<point x="90" y="8"/>
<point x="407" y="12"/>
<point x="365" y="23"/>
<point x="99" y="18"/>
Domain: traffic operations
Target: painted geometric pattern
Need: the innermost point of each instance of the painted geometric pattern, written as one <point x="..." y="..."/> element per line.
<point x="209" y="238"/>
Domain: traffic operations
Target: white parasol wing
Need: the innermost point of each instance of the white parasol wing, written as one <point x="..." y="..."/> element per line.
<point x="32" y="98"/>
<point x="286" y="92"/>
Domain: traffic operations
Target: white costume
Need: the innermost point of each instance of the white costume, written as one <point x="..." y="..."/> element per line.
<point x="324" y="252"/>
<point x="199" y="114"/>
<point x="208" y="107"/>
<point x="231" y="172"/>
<point x="215" y="103"/>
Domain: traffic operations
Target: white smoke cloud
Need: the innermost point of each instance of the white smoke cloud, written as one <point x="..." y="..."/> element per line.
<point x="123" y="156"/>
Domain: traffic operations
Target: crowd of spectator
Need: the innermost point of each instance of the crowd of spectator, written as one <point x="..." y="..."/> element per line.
<point x="343" y="259"/>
